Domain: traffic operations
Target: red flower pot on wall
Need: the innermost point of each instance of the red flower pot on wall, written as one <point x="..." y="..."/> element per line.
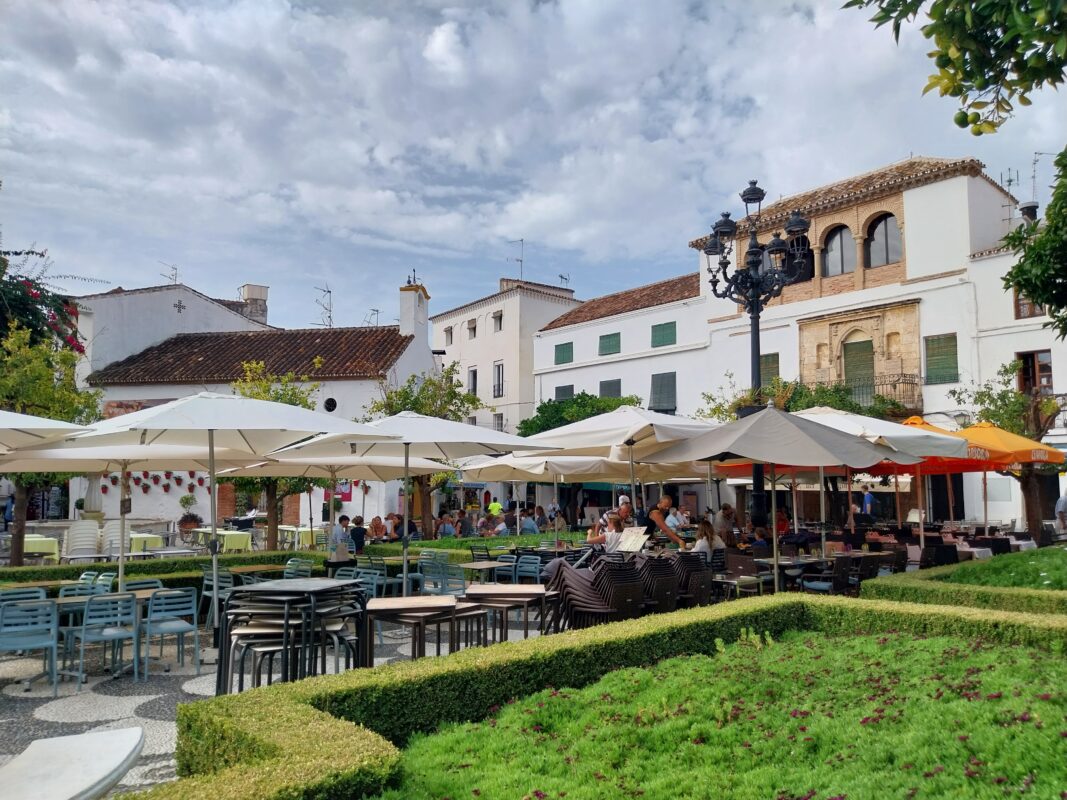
<point x="145" y="487"/>
<point x="103" y="489"/>
<point x="199" y="481"/>
<point x="178" y="480"/>
<point x="137" y="481"/>
<point x="167" y="475"/>
<point x="192" y="488"/>
<point x="114" y="480"/>
<point x="192" y="474"/>
<point x="155" y="480"/>
<point x="145" y="474"/>
<point x="166" y="487"/>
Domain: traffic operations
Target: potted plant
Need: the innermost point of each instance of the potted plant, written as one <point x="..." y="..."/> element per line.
<point x="79" y="505"/>
<point x="155" y="480"/>
<point x="189" y="519"/>
<point x="145" y="487"/>
<point x="166" y="488"/>
<point x="114" y="480"/>
<point x="103" y="488"/>
<point x="178" y="480"/>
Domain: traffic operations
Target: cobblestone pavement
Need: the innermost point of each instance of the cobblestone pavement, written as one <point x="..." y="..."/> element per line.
<point x="105" y="702"/>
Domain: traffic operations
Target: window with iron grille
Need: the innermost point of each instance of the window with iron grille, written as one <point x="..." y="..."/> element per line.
<point x="565" y="353"/>
<point x="664" y="395"/>
<point x="612" y="388"/>
<point x="942" y="364"/>
<point x="498" y="422"/>
<point x="664" y="334"/>
<point x="565" y="392"/>
<point x="610" y="344"/>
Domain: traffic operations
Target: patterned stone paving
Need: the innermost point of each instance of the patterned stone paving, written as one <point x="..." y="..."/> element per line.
<point x="105" y="702"/>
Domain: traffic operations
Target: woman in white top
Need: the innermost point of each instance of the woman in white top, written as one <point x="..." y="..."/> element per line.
<point x="707" y="539"/>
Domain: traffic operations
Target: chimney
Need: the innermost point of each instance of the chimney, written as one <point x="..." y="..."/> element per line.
<point x="254" y="298"/>
<point x="414" y="310"/>
<point x="1028" y="210"/>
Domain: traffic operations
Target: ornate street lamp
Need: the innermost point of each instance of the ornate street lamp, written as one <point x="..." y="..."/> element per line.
<point x="762" y="271"/>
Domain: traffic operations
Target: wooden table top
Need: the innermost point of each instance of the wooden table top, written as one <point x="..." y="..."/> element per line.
<point x="38" y="584"/>
<point x="505" y="589"/>
<point x="142" y="596"/>
<point x="485" y="564"/>
<point x="434" y="602"/>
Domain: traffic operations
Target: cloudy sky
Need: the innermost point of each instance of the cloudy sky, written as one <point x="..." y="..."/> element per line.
<point x="305" y="144"/>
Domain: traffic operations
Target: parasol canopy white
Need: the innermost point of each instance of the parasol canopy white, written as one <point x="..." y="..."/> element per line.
<point x="904" y="438"/>
<point x="24" y="430"/>
<point x="356" y="468"/>
<point x="520" y="467"/>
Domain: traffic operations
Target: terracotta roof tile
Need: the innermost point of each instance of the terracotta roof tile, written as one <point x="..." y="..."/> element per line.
<point x="915" y="171"/>
<point x="217" y="357"/>
<point x="672" y="290"/>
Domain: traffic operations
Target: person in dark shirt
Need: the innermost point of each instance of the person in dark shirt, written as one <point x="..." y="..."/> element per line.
<point x="359" y="535"/>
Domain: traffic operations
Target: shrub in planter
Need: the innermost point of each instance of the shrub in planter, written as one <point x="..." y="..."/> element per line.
<point x="190" y="520"/>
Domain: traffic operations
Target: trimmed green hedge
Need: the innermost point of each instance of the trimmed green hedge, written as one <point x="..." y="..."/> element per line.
<point x="930" y="586"/>
<point x="150" y="567"/>
<point x="307" y="739"/>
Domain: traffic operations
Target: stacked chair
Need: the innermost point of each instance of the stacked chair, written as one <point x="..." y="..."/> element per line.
<point x="608" y="592"/>
<point x="660" y="583"/>
<point x="81" y="541"/>
<point x="695" y="578"/>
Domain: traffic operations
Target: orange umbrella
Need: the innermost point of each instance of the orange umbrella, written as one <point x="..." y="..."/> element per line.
<point x="1018" y="449"/>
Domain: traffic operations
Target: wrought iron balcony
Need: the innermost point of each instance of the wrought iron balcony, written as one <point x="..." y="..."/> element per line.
<point x="904" y="389"/>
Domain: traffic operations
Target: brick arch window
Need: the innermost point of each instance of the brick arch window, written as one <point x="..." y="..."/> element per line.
<point x="839" y="253"/>
<point x="883" y="245"/>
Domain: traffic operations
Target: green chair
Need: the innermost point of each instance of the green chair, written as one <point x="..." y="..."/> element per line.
<point x="18" y="595"/>
<point x="172" y="612"/>
<point x="143" y="583"/>
<point x="390" y="585"/>
<point x="214" y="595"/>
<point x="507" y="569"/>
<point x="104" y="581"/>
<point x="88" y="577"/>
<point x="110" y="619"/>
<point x="297" y="570"/>
<point x="345" y="573"/>
<point x="32" y="625"/>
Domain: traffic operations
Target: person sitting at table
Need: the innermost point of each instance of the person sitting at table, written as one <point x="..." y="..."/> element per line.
<point x="781" y="522"/>
<point x="445" y="528"/>
<point x="674" y="519"/>
<point x="376" y="533"/>
<point x="540" y="518"/>
<point x="393" y="527"/>
<point x="501" y="528"/>
<point x="527" y="523"/>
<point x="340" y="540"/>
<point x="707" y="539"/>
<point x="610" y="537"/>
<point x="464" y="526"/>
<point x="759" y="540"/>
<point x="728" y="537"/>
<point x="358" y="534"/>
<point x="486" y="525"/>
<point x="624" y="511"/>
<point x="657" y="520"/>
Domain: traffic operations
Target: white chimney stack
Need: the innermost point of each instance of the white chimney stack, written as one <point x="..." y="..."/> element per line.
<point x="414" y="311"/>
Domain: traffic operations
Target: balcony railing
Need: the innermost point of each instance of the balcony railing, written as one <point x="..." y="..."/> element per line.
<point x="498" y="390"/>
<point x="903" y="389"/>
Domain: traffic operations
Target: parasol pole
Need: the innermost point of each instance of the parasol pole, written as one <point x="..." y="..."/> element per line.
<point x="922" y="527"/>
<point x="633" y="479"/>
<point x="214" y="529"/>
<point x="124" y="495"/>
<point x="985" y="501"/>
<point x="896" y="494"/>
<point x="822" y="508"/>
<point x="407" y="512"/>
<point x="774" y="525"/>
<point x="851" y="516"/>
<point x="708" y="488"/>
<point x="796" y="511"/>
<point x="951" y="498"/>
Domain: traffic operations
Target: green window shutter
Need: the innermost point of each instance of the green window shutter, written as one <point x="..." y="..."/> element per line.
<point x="664" y="396"/>
<point x="664" y="334"/>
<point x="858" y="358"/>
<point x="565" y="353"/>
<point x="610" y="344"/>
<point x="611" y="388"/>
<point x="942" y="363"/>
<point x="565" y="392"/>
<point x="768" y="368"/>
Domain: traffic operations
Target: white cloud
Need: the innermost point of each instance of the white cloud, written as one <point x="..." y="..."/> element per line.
<point x="287" y="142"/>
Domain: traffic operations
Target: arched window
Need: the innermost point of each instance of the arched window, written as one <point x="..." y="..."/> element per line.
<point x="883" y="245"/>
<point x="839" y="255"/>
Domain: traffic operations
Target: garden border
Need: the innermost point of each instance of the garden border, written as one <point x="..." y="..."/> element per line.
<point x="241" y="746"/>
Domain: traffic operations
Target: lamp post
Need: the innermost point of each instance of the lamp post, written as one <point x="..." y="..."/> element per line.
<point x="762" y="271"/>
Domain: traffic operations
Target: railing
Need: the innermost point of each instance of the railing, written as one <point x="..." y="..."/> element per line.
<point x="903" y="389"/>
<point x="498" y="390"/>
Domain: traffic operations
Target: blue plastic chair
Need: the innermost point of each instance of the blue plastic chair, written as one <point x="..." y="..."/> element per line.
<point x="211" y="594"/>
<point x="297" y="571"/>
<point x="88" y="577"/>
<point x="507" y="569"/>
<point x="104" y="581"/>
<point x="143" y="583"/>
<point x="74" y="613"/>
<point x="345" y="573"/>
<point x="528" y="567"/>
<point x="167" y="613"/>
<point x="32" y="625"/>
<point x="111" y="619"/>
<point x="18" y="595"/>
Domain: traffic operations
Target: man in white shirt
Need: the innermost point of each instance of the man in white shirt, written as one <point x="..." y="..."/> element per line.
<point x="624" y="512"/>
<point x="724" y="520"/>
<point x="340" y="543"/>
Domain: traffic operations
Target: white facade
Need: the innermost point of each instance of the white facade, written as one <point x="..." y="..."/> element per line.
<point x="118" y="324"/>
<point x="492" y="340"/>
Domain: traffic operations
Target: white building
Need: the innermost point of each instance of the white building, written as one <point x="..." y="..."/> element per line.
<point x="492" y="341"/>
<point x="901" y="296"/>
<point x="352" y="364"/>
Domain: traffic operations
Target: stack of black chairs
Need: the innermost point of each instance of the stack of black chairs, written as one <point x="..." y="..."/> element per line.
<point x="607" y="592"/>
<point x="660" y="583"/>
<point x="695" y="578"/>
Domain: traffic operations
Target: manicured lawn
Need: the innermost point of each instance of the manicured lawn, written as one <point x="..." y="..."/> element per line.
<point x="1031" y="569"/>
<point x="809" y="717"/>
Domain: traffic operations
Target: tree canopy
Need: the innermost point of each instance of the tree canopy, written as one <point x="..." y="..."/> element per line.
<point x="556" y="413"/>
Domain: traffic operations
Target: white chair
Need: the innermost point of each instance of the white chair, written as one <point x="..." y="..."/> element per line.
<point x="81" y="540"/>
<point x="111" y="536"/>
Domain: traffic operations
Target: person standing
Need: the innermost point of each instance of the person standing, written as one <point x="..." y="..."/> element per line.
<point x="868" y="500"/>
<point x="359" y="535"/>
<point x="340" y="541"/>
<point x="464" y="527"/>
<point x="495" y="508"/>
<point x="7" y="499"/>
<point x="624" y="512"/>
<point x="724" y="521"/>
<point x="657" y="520"/>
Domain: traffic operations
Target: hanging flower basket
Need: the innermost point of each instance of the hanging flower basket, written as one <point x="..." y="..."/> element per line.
<point x="178" y="480"/>
<point x="145" y="474"/>
<point x="192" y="474"/>
<point x="209" y="490"/>
<point x="168" y="475"/>
<point x="137" y="480"/>
<point x="166" y="487"/>
<point x="114" y="480"/>
<point x="103" y="489"/>
<point x="144" y="488"/>
<point x="192" y="488"/>
<point x="155" y="480"/>
<point x="128" y="474"/>
<point x="199" y="481"/>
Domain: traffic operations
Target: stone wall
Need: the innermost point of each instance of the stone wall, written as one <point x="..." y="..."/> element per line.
<point x="893" y="328"/>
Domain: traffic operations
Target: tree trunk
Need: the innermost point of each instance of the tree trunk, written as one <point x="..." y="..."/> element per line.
<point x="18" y="524"/>
<point x="271" y="492"/>
<point x="1031" y="489"/>
<point x="422" y="482"/>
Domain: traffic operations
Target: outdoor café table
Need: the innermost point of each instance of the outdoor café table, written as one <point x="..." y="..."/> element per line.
<point x="168" y="552"/>
<point x="254" y="568"/>
<point x="39" y="584"/>
<point x="285" y="594"/>
<point x="484" y="567"/>
<point x="41" y="546"/>
<point x="65" y="603"/>
<point x="510" y="595"/>
<point x="299" y="537"/>
<point x="229" y="541"/>
<point x="736" y="583"/>
<point x="1023" y="544"/>
<point x="139" y="542"/>
<point x="976" y="552"/>
<point x="386" y="607"/>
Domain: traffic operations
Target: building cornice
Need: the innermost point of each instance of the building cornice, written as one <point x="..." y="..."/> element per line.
<point x="492" y="299"/>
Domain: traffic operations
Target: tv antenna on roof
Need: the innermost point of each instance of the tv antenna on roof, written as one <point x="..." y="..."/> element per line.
<point x="564" y="279"/>
<point x="326" y="304"/>
<point x="522" y="252"/>
<point x="372" y="313"/>
<point x="1006" y="184"/>
<point x="172" y="273"/>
